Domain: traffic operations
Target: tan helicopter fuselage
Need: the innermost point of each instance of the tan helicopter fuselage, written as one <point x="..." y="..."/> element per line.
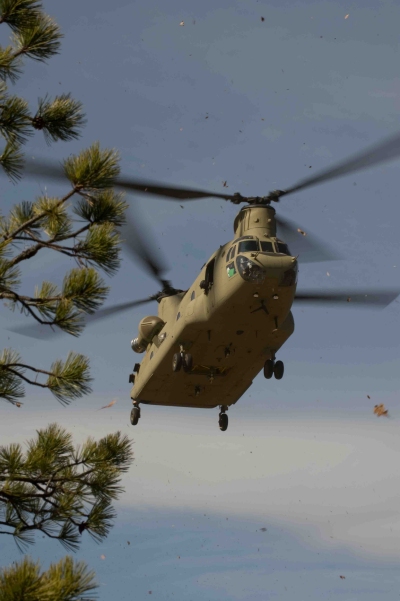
<point x="232" y="319"/>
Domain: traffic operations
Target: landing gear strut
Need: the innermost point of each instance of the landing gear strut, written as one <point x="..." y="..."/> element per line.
<point x="223" y="418"/>
<point x="273" y="368"/>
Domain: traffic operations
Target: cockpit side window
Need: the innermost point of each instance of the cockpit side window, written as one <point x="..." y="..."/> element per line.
<point x="267" y="247"/>
<point x="283" y="248"/>
<point x="248" y="246"/>
<point x="231" y="253"/>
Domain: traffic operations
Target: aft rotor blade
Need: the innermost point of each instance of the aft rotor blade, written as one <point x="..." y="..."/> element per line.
<point x="380" y="153"/>
<point x="43" y="332"/>
<point x="143" y="247"/>
<point x="309" y="248"/>
<point x="53" y="171"/>
<point x="367" y="297"/>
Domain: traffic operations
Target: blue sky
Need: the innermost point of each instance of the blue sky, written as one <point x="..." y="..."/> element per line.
<point x="283" y="98"/>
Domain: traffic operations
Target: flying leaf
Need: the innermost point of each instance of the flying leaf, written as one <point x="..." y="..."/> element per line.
<point x="380" y="410"/>
<point x="109" y="405"/>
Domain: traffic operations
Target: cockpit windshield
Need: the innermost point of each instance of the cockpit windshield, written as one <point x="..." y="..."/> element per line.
<point x="283" y="248"/>
<point x="266" y="247"/>
<point x="248" y="246"/>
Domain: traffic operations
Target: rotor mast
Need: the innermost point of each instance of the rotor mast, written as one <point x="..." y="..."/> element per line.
<point x="255" y="220"/>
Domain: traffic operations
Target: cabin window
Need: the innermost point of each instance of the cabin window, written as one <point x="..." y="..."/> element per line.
<point x="267" y="247"/>
<point x="283" y="248"/>
<point x="248" y="246"/>
<point x="193" y="295"/>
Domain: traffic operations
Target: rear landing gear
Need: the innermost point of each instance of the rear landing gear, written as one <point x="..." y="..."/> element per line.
<point x="223" y="418"/>
<point x="273" y="368"/>
<point x="135" y="415"/>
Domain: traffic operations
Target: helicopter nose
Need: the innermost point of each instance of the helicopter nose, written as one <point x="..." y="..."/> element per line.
<point x="281" y="269"/>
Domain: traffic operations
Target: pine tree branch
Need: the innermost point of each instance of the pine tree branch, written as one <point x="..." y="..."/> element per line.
<point x="37" y="218"/>
<point x="27" y="380"/>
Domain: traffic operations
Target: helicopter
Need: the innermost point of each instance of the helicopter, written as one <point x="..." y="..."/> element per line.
<point x="206" y="344"/>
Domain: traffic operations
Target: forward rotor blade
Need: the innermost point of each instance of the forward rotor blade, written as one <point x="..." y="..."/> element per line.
<point x="169" y="191"/>
<point x="367" y="297"/>
<point x="380" y="153"/>
<point x="43" y="332"/>
<point x="53" y="171"/>
<point x="309" y="248"/>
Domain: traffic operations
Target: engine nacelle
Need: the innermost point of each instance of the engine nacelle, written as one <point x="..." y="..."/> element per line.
<point x="149" y="327"/>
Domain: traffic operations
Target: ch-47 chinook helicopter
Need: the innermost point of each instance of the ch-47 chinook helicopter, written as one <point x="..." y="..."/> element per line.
<point x="206" y="344"/>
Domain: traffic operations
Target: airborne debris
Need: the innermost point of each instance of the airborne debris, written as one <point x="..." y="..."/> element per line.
<point x="346" y="16"/>
<point x="225" y="185"/>
<point x="301" y="232"/>
<point x="342" y="577"/>
<point x="380" y="410"/>
<point x="262" y="19"/>
<point x="102" y="556"/>
<point x="368" y="397"/>
<point x="328" y="274"/>
<point x="182" y="23"/>
<point x="263" y="529"/>
<point x="109" y="405"/>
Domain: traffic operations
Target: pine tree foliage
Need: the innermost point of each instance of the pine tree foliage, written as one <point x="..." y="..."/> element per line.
<point x="82" y="224"/>
<point x="35" y="35"/>
<point x="59" y="490"/>
<point x="66" y="580"/>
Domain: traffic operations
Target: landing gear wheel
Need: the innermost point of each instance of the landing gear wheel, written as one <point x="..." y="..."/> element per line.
<point x="135" y="416"/>
<point x="269" y="369"/>
<point x="187" y="362"/>
<point x="223" y="422"/>
<point x="176" y="362"/>
<point x="279" y="368"/>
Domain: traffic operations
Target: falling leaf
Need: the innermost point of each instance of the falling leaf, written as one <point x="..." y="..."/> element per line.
<point x="380" y="410"/>
<point x="109" y="405"/>
<point x="182" y="23"/>
<point x="301" y="232"/>
<point x="342" y="577"/>
<point x="347" y="16"/>
<point x="102" y="556"/>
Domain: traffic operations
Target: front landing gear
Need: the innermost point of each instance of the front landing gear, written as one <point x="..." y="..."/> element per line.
<point x="223" y="418"/>
<point x="180" y="360"/>
<point x="135" y="415"/>
<point x="273" y="368"/>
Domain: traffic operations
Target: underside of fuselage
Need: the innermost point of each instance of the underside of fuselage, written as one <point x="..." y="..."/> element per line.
<point x="229" y="338"/>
